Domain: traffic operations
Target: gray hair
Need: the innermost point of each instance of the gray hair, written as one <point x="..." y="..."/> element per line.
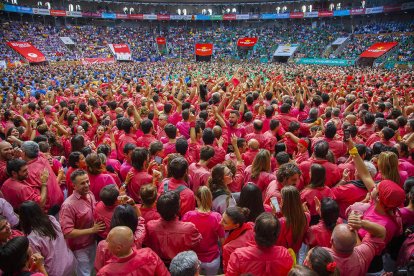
<point x="371" y="168"/>
<point x="30" y="149"/>
<point x="184" y="264"/>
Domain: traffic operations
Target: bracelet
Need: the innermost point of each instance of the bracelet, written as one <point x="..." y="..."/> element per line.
<point x="353" y="152"/>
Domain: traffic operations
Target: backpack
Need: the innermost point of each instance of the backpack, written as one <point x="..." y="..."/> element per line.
<point x="178" y="190"/>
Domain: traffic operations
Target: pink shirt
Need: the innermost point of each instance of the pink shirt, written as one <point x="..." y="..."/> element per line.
<point x="97" y="182"/>
<point x="122" y="141"/>
<point x="77" y="213"/>
<point x="249" y="156"/>
<point x="168" y="238"/>
<point x="169" y="148"/>
<point x="256" y="260"/>
<point x="187" y="199"/>
<point x="358" y="262"/>
<point x="59" y="260"/>
<point x="149" y="213"/>
<point x="346" y="195"/>
<point x="199" y="175"/>
<point x="333" y="173"/>
<point x="269" y="140"/>
<point x="145" y="140"/>
<point x="184" y="129"/>
<point x="140" y="262"/>
<point x="407" y="216"/>
<point x="286" y="236"/>
<point x="208" y="224"/>
<point x="262" y="181"/>
<point x="319" y="235"/>
<point x="124" y="169"/>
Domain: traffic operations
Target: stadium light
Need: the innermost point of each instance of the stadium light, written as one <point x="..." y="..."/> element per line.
<point x="184" y="11"/>
<point x="234" y="10"/>
<point x="210" y="11"/>
<point x="310" y="8"/>
<point x="179" y="11"/>
<point x="70" y="7"/>
<point x="338" y="6"/>
<point x="278" y="9"/>
<point x="303" y="8"/>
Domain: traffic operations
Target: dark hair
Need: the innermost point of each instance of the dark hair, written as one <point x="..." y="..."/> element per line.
<point x="146" y="126"/>
<point x="181" y="146"/>
<point x="321" y="149"/>
<point x="125" y="215"/>
<point x="266" y="230"/>
<point x="170" y="131"/>
<point x="74" y="158"/>
<point x="32" y="218"/>
<point x="238" y="215"/>
<point x="319" y="259"/>
<point x="286" y="171"/>
<point x="126" y="125"/>
<point x="128" y="147"/>
<point x="251" y="198"/>
<point x="15" y="165"/>
<point x="208" y="136"/>
<point x="388" y="133"/>
<point x="178" y="167"/>
<point x="94" y="164"/>
<point x="300" y="270"/>
<point x="104" y="148"/>
<point x="138" y="158"/>
<point x="282" y="157"/>
<point x="369" y="118"/>
<point x="318" y="175"/>
<point x="13" y="256"/>
<point x="329" y="212"/>
<point x="109" y="194"/>
<point x="77" y="173"/>
<point x="330" y="130"/>
<point x="148" y="194"/>
<point x="168" y="205"/>
<point x="206" y="152"/>
<point x="155" y="147"/>
<point x="273" y="124"/>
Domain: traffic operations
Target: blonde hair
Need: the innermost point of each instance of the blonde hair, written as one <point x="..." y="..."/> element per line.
<point x="205" y="199"/>
<point x="388" y="166"/>
<point x="260" y="163"/>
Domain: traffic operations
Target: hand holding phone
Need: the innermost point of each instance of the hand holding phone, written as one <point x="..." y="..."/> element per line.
<point x="275" y="204"/>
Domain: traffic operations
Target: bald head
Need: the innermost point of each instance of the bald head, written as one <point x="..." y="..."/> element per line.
<point x="351" y="119"/>
<point x="253" y="144"/>
<point x="120" y="241"/>
<point x="217" y="131"/>
<point x="343" y="239"/>
<point x="6" y="151"/>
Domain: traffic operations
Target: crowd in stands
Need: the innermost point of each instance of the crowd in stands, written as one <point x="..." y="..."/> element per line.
<point x="92" y="41"/>
<point x="206" y="168"/>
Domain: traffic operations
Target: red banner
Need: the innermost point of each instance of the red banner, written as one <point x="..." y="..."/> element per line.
<point x="57" y="13"/>
<point x="296" y="15"/>
<point x="90" y="61"/>
<point x="325" y="13"/>
<point x="136" y="16"/>
<point x="163" y="17"/>
<point x="392" y="8"/>
<point x="229" y="17"/>
<point x="247" y="41"/>
<point x="378" y="49"/>
<point x="205" y="49"/>
<point x="357" y="11"/>
<point x="161" y="40"/>
<point x="27" y="50"/>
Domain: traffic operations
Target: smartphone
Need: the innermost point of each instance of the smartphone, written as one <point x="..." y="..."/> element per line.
<point x="347" y="135"/>
<point x="158" y="160"/>
<point x="275" y="204"/>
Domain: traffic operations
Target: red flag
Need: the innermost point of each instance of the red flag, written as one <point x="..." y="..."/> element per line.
<point x="378" y="49"/>
<point x="161" y="40"/>
<point x="205" y="49"/>
<point x="27" y="50"/>
<point x="247" y="41"/>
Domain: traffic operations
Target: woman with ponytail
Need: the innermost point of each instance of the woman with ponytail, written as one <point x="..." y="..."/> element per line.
<point x="320" y="234"/>
<point x="322" y="262"/>
<point x="240" y="231"/>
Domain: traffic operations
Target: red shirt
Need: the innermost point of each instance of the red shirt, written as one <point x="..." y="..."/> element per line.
<point x="168" y="238"/>
<point x="319" y="235"/>
<point x="346" y="195"/>
<point x="238" y="179"/>
<point x="16" y="192"/>
<point x="249" y="156"/>
<point x="103" y="213"/>
<point x="98" y="181"/>
<point x="77" y="213"/>
<point x="187" y="199"/>
<point x="139" y="179"/>
<point x="149" y="213"/>
<point x="308" y="195"/>
<point x="199" y="175"/>
<point x="256" y="260"/>
<point x="145" y="140"/>
<point x="258" y="136"/>
<point x="269" y="140"/>
<point x="333" y="173"/>
<point x="140" y="262"/>
<point x="286" y="236"/>
<point x="3" y="172"/>
<point x="208" y="224"/>
<point x="122" y="141"/>
<point x="262" y="181"/>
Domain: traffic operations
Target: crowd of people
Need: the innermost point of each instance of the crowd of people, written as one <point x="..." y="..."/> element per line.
<point x="92" y="41"/>
<point x="206" y="168"/>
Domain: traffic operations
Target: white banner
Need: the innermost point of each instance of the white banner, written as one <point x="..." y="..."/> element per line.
<point x="311" y="14"/>
<point x="285" y="50"/>
<point x="41" y="11"/>
<point x="407" y="6"/>
<point x="67" y="40"/>
<point x="242" y="16"/>
<point x="120" y="51"/>
<point x="339" y="40"/>
<point x="74" y="13"/>
<point x="374" y="10"/>
<point x="150" y="17"/>
<point x="3" y="64"/>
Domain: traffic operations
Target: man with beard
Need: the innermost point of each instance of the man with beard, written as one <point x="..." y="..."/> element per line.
<point x="6" y="154"/>
<point x="233" y="125"/>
